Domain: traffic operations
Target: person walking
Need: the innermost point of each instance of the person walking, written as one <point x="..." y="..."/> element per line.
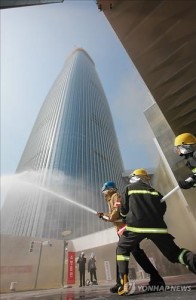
<point x="92" y="269"/>
<point x="185" y="146"/>
<point x="144" y="214"/>
<point x="114" y="200"/>
<point x="82" y="262"/>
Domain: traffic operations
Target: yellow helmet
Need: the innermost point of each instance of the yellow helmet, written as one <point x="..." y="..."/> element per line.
<point x="185" y="139"/>
<point x="139" y="172"/>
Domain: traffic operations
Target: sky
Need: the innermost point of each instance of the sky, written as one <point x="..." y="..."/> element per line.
<point x="35" y="42"/>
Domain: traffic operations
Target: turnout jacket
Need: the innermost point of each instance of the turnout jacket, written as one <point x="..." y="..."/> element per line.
<point x="191" y="164"/>
<point x="114" y="201"/>
<point x="142" y="208"/>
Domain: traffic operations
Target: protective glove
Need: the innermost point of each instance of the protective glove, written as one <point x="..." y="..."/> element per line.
<point x="124" y="220"/>
<point x="100" y="215"/>
<point x="183" y="184"/>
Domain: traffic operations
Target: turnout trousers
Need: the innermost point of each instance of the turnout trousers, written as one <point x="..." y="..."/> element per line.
<point x="144" y="262"/>
<point x="129" y="242"/>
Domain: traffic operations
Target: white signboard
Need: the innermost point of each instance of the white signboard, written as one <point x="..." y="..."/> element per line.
<point x="107" y="270"/>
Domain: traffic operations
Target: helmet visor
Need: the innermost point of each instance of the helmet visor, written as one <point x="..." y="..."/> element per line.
<point x="104" y="188"/>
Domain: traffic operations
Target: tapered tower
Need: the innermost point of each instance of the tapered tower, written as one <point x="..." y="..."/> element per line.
<point x="74" y="149"/>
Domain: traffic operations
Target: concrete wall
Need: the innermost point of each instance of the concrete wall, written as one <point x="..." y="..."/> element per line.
<point x="21" y="266"/>
<point x="179" y="216"/>
<point x="181" y="206"/>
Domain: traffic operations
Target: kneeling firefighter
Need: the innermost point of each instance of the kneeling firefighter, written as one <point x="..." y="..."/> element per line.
<point x="185" y="146"/>
<point x="114" y="200"/>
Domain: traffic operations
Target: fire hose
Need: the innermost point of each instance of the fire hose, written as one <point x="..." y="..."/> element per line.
<point x="170" y="193"/>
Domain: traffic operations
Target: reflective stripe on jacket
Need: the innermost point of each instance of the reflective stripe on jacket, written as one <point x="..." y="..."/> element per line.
<point x="191" y="164"/>
<point x="143" y="209"/>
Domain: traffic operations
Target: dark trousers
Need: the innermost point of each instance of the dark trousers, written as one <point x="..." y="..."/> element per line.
<point x="93" y="274"/>
<point x="129" y="243"/>
<point x="144" y="262"/>
<point x="82" y="277"/>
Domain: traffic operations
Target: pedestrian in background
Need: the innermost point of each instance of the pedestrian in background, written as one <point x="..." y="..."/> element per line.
<point x="92" y="269"/>
<point x="82" y="263"/>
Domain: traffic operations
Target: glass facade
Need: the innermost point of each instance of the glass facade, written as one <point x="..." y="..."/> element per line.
<point x="19" y="3"/>
<point x="74" y="149"/>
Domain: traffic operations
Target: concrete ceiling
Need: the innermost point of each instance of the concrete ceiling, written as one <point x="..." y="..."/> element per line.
<point x="160" y="38"/>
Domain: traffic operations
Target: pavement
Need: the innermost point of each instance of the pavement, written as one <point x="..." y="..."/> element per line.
<point x="177" y="288"/>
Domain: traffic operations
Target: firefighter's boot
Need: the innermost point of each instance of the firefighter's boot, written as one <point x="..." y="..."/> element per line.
<point x="157" y="282"/>
<point x="124" y="285"/>
<point x="188" y="259"/>
<point x="115" y="288"/>
<point x="155" y="278"/>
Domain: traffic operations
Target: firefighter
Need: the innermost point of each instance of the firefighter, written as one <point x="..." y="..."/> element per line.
<point x="144" y="219"/>
<point x="114" y="199"/>
<point x="185" y="145"/>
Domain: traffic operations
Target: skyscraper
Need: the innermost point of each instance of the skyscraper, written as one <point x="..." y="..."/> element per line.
<point x="74" y="150"/>
<point x="20" y="3"/>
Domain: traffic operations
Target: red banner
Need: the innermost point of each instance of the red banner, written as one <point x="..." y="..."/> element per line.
<point x="71" y="268"/>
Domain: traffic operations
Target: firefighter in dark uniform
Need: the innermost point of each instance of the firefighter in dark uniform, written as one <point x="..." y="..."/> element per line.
<point x="144" y="219"/>
<point x="185" y="145"/>
<point x="114" y="200"/>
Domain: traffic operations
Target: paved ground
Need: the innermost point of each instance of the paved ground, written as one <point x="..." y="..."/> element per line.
<point x="177" y="288"/>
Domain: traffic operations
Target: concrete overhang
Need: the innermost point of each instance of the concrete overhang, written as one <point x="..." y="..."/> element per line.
<point x="160" y="38"/>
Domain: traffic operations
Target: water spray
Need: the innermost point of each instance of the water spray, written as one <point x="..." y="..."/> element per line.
<point x="60" y="196"/>
<point x="67" y="199"/>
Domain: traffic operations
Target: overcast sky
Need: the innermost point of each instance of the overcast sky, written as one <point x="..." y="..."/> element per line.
<point x="35" y="42"/>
